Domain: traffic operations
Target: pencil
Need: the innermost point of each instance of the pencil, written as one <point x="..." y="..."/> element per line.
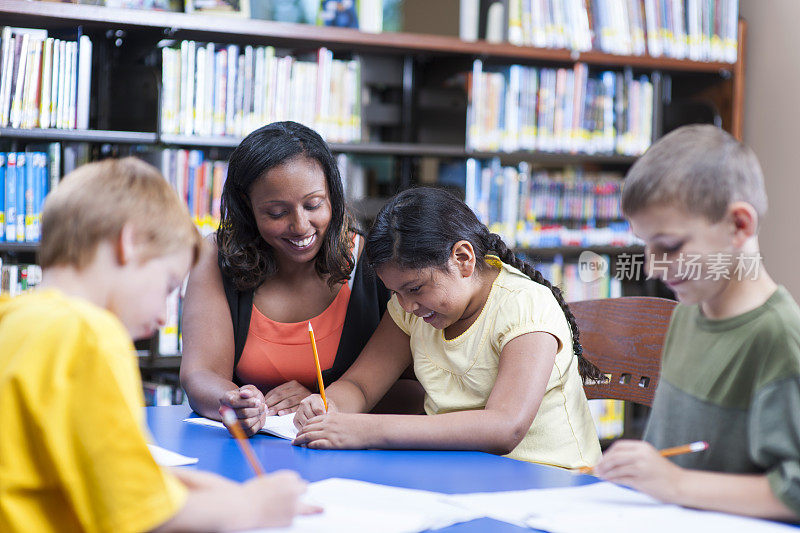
<point x="692" y="447"/>
<point x="232" y="423"/>
<point x="319" y="370"/>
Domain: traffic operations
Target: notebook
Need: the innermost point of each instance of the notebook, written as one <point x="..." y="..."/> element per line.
<point x="278" y="426"/>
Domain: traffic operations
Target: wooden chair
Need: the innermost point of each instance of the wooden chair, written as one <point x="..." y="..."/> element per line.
<point x="623" y="337"/>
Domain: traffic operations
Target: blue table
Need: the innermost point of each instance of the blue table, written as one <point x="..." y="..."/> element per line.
<point x="442" y="471"/>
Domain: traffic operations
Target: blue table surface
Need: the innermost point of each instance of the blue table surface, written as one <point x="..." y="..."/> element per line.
<point x="450" y="472"/>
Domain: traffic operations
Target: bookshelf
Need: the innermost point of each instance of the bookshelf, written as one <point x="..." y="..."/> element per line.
<point x="416" y="108"/>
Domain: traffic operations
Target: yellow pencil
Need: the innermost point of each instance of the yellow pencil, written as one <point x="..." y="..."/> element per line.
<point x="232" y="423"/>
<point x="319" y="370"/>
<point x="692" y="447"/>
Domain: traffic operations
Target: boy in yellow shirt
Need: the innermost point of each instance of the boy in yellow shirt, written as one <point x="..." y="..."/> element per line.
<point x="730" y="371"/>
<point x="116" y="240"/>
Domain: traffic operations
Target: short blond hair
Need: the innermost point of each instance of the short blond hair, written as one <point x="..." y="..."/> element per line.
<point x="93" y="203"/>
<point x="699" y="168"/>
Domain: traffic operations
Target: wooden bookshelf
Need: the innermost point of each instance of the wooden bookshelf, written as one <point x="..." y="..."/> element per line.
<point x="19" y="247"/>
<point x="574" y="251"/>
<point x="92" y="136"/>
<point x="119" y="34"/>
<point x="230" y="29"/>
<point x="417" y="149"/>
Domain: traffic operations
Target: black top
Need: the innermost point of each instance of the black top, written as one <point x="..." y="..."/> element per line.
<point x="368" y="298"/>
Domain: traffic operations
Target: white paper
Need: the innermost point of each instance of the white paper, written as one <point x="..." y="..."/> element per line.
<point x="166" y="457"/>
<point x="603" y="508"/>
<point x="352" y="506"/>
<point x="278" y="426"/>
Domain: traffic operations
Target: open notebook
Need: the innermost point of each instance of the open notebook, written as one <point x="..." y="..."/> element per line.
<point x="278" y="426"/>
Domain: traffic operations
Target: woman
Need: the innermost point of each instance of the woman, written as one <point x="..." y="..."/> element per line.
<point x="286" y="253"/>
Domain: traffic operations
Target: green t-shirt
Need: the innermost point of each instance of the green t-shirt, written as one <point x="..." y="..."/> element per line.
<point x="734" y="383"/>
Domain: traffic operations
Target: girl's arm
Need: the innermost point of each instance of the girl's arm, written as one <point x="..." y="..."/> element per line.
<point x="526" y="363"/>
<point x="638" y="464"/>
<point x="208" y="347"/>
<point x="381" y="362"/>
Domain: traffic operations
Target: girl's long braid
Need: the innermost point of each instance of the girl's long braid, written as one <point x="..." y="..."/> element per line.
<point x="586" y="368"/>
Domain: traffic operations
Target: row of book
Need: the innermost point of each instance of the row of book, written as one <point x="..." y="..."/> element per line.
<point x="559" y="110"/>
<point x="210" y="89"/>
<point x="566" y="276"/>
<point x="158" y="394"/>
<point x="700" y="30"/>
<point x="44" y="82"/>
<point x="525" y="207"/>
<point x="197" y="180"/>
<point x="18" y="278"/>
<point x="572" y="194"/>
<point x="609" y="418"/>
<point x="537" y="235"/>
<point x="25" y="179"/>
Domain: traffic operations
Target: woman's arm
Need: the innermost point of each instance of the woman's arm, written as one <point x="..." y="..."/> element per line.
<point x="208" y="346"/>
<point x="526" y="363"/>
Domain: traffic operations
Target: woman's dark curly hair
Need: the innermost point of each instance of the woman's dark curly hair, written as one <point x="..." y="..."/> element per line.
<point x="244" y="255"/>
<point x="418" y="229"/>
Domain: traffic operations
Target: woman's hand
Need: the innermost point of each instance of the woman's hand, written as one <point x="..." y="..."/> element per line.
<point x="341" y="431"/>
<point x="248" y="404"/>
<point x="310" y="407"/>
<point x="286" y="398"/>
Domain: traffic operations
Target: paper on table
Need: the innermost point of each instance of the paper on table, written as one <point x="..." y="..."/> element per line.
<point x="278" y="426"/>
<point x="352" y="506"/>
<point x="166" y="457"/>
<point x="603" y="508"/>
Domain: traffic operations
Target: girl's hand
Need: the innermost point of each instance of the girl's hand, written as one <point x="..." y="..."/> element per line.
<point x="248" y="404"/>
<point x="342" y="431"/>
<point x="310" y="407"/>
<point x="637" y="464"/>
<point x="285" y="398"/>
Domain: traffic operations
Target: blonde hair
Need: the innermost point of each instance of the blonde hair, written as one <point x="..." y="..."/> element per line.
<point x="699" y="168"/>
<point x="96" y="200"/>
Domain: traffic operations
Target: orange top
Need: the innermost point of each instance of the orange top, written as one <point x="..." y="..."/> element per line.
<point x="277" y="352"/>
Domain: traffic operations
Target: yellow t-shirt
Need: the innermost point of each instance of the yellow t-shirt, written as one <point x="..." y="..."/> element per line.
<point x="73" y="445"/>
<point x="459" y="374"/>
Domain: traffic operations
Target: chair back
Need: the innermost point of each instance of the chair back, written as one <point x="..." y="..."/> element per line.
<point x="624" y="337"/>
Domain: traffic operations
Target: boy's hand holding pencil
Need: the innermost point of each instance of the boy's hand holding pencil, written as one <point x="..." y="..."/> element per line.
<point x="637" y="464"/>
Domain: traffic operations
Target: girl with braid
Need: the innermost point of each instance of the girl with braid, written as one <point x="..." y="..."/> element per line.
<point x="493" y="344"/>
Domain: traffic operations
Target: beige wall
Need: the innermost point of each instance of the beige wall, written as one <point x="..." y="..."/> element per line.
<point x="772" y="127"/>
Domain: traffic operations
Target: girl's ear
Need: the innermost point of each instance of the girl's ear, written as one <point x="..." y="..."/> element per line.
<point x="126" y="244"/>
<point x="745" y="222"/>
<point x="463" y="257"/>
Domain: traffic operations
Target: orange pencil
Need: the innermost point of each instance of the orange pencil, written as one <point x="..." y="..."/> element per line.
<point x="319" y="370"/>
<point x="232" y="423"/>
<point x="692" y="447"/>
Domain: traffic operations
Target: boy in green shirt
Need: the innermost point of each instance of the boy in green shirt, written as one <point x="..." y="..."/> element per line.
<point x="731" y="362"/>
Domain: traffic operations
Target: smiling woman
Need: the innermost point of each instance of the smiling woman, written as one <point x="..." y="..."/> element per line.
<point x="286" y="253"/>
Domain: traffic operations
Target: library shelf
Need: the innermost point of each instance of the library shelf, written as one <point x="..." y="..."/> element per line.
<point x="160" y="362"/>
<point x="227" y="29"/>
<point x="93" y="136"/>
<point x="577" y="250"/>
<point x="12" y="247"/>
<point x="419" y="150"/>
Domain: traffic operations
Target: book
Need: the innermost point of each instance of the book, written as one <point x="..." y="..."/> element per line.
<point x="277" y="426"/>
<point x="238" y="8"/>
